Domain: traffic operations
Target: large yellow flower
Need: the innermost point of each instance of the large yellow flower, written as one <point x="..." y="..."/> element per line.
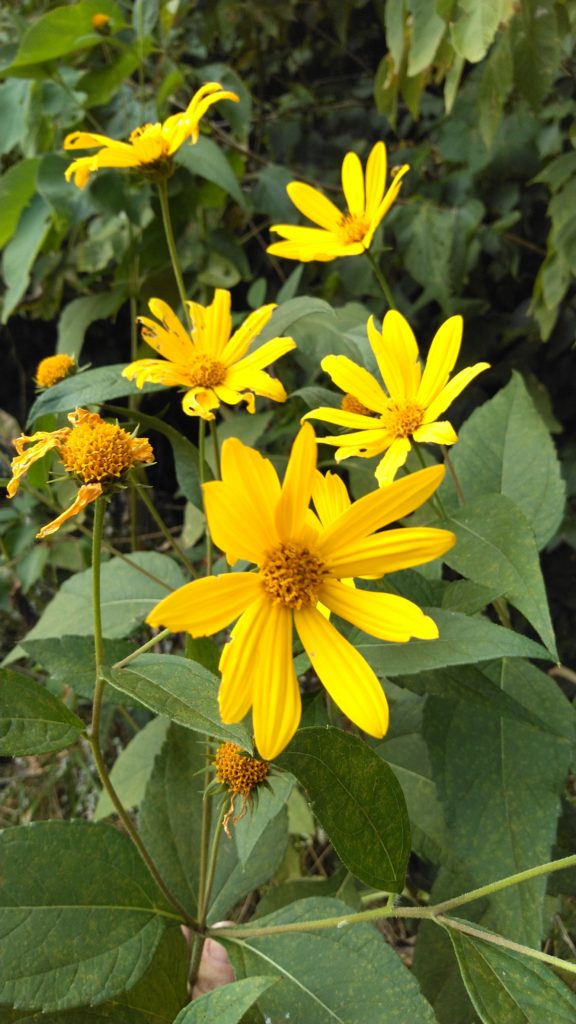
<point x="301" y="562"/>
<point x="149" y="147"/>
<point x="340" y="234"/>
<point x="98" y="453"/>
<point x="388" y="421"/>
<point x="211" y="363"/>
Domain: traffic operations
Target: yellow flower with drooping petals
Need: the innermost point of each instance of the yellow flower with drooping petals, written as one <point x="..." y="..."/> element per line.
<point x="302" y="562"/>
<point x="211" y="363"/>
<point x="96" y="452"/>
<point x="389" y="421"/>
<point x="54" y="368"/>
<point x="340" y="234"/>
<point x="151" y="146"/>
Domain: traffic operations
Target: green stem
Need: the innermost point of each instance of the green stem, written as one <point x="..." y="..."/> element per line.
<point x="435" y="499"/>
<point x="154" y="513"/>
<point x="133" y="404"/>
<point x="379" y="275"/>
<point x="216" y="448"/>
<point x="142" y="650"/>
<point x="211" y="866"/>
<point x="452" y="471"/>
<point x="504" y="883"/>
<point x="168" y="231"/>
<point x="499" y="940"/>
<point x="202" y="475"/>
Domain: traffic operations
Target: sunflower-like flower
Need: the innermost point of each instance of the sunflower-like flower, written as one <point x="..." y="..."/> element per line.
<point x="96" y="452"/>
<point x="151" y="146"/>
<point x="300" y="563"/>
<point x="53" y="369"/>
<point x="388" y="421"/>
<point x="340" y="234"/>
<point x="211" y="363"/>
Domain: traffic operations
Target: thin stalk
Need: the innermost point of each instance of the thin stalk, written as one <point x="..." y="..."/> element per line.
<point x="452" y="471"/>
<point x="211" y="866"/>
<point x="379" y="275"/>
<point x="205" y="890"/>
<point x="142" y="650"/>
<point x="133" y="404"/>
<point x="168" y="231"/>
<point x="205" y="828"/>
<point x="202" y="475"/>
<point x="154" y="513"/>
<point x="504" y="883"/>
<point x="499" y="940"/>
<point x="435" y="499"/>
<point x="216" y="448"/>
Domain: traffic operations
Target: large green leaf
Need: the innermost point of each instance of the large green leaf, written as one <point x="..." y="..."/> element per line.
<point x="21" y="251"/>
<point x="500" y="783"/>
<point x="63" y="30"/>
<point x="185" y="453"/>
<point x="271" y="798"/>
<point x="289" y="313"/>
<point x="132" y="769"/>
<point x="91" y="387"/>
<point x="181" y="690"/>
<point x="32" y="720"/>
<point x="225" y="1005"/>
<point x="347" y="975"/>
<point x="207" y="160"/>
<point x="79" y="914"/>
<point x="357" y="799"/>
<point x="70" y="662"/>
<point x="495" y="546"/>
<point x="508" y="988"/>
<point x="505" y="448"/>
<point x="536" y="47"/>
<point x="127" y="596"/>
<point x="475" y="26"/>
<point x="77" y="316"/>
<point x="17" y="186"/>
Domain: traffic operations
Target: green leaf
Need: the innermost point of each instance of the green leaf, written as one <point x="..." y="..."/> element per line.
<point x="181" y="690"/>
<point x="495" y="87"/>
<point x="17" y="186"/>
<point x="132" y="769"/>
<point x="127" y="596"/>
<point x="15" y="97"/>
<point x="288" y="314"/>
<point x="225" y="1005"/>
<point x="63" y="30"/>
<point x="32" y="721"/>
<point x="206" y="159"/>
<point x="495" y="546"/>
<point x="357" y="799"/>
<point x="508" y="988"/>
<point x="81" y="911"/>
<point x="427" y="31"/>
<point x="70" y="662"/>
<point x="100" y="84"/>
<point x="270" y="799"/>
<point x="536" y="47"/>
<point x="77" y="316"/>
<point x="473" y="30"/>
<point x="462" y="641"/>
<point x="91" y="387"/>
<point x="21" y="251"/>
<point x="500" y="782"/>
<point x="185" y="453"/>
<point x="335" y="976"/>
<point x="505" y="447"/>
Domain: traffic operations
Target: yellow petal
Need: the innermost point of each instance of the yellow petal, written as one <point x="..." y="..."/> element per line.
<point x="113" y="157"/>
<point x="217" y="323"/>
<point x="440" y="432"/>
<point x="343" y="671"/>
<point x="386" y="203"/>
<point x="297" y="485"/>
<point x="330" y="497"/>
<point x="169" y="337"/>
<point x="375" y="178"/>
<point x="200" y="402"/>
<point x="342" y="418"/>
<point x="276" y="700"/>
<point x="385" y="616"/>
<point x="41" y="442"/>
<point x="155" y="371"/>
<point x="353" y="183"/>
<point x="258" y="381"/>
<point x="231" y="396"/>
<point x="441" y="359"/>
<point x="378" y="509"/>
<point x="80" y="170"/>
<point x="314" y="205"/>
<point x="91" y="140"/>
<point x="394" y="458"/>
<point x="267" y="353"/>
<point x="399" y="354"/>
<point x="239" y="662"/>
<point x="208" y="605"/>
<point x="240" y="341"/>
<point x="388" y="363"/>
<point x="240" y="507"/>
<point x="452" y="389"/>
<point x="390" y="550"/>
<point x="357" y="381"/>
<point x="86" y="494"/>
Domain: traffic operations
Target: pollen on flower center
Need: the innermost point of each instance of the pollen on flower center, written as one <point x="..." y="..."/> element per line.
<point x="205" y="372"/>
<point x="353" y="227"/>
<point x="292" y="575"/>
<point x="150" y="143"/>
<point x="97" y="451"/>
<point x="352" y="404"/>
<point x="237" y="770"/>
<point x="403" y="420"/>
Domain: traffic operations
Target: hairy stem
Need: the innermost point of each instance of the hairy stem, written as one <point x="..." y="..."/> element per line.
<point x="168" y="231"/>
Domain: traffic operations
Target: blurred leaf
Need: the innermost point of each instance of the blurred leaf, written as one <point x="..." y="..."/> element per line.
<point x="81" y="933"/>
<point x="62" y="31"/>
<point x="145" y="15"/>
<point x="357" y="799"/>
<point x="536" y="49"/>
<point x="225" y="1005"/>
<point x="495" y="87"/>
<point x="91" y="387"/>
<point x="100" y="85"/>
<point x="206" y="159"/>
<point x="132" y="768"/>
<point x="17" y="186"/>
<point x="21" y="251"/>
<point x="334" y="976"/>
<point x="181" y="690"/>
<point x="75" y="319"/>
<point x="14" y="100"/>
<point x="127" y="597"/>
<point x="32" y="721"/>
<point x="508" y="988"/>
<point x="271" y="798"/>
<point x="288" y="314"/>
<point x="426" y="33"/>
<point x="475" y="26"/>
<point x="269" y="194"/>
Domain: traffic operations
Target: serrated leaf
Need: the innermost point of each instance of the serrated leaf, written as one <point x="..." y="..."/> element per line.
<point x="346" y="975"/>
<point x="127" y="596"/>
<point x="225" y="1005"/>
<point x="77" y="316"/>
<point x="132" y="768"/>
<point x="17" y="186"/>
<point x="91" y="387"/>
<point x="357" y="799"/>
<point x="32" y="720"/>
<point x="82" y="914"/>
<point x="206" y="159"/>
<point x="181" y="690"/>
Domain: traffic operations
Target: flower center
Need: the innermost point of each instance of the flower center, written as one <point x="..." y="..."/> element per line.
<point x="352" y="404"/>
<point x="205" y="372"/>
<point x="403" y="420"/>
<point x="292" y="575"/>
<point x="52" y="369"/>
<point x="96" y="451"/>
<point x="353" y="227"/>
<point x="237" y="770"/>
<point x="150" y="144"/>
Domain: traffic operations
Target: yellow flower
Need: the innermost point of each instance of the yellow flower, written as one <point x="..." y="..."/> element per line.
<point x="98" y="453"/>
<point x="340" y="234"/>
<point x="52" y="369"/>
<point x="301" y="562"/>
<point x="151" y="146"/>
<point x="100" y="21"/>
<point x="211" y="363"/>
<point x="388" y="421"/>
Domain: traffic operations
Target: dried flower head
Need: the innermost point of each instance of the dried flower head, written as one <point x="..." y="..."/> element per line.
<point x="240" y="774"/>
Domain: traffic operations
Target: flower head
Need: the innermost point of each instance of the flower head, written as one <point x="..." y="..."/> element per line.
<point x="388" y="421"/>
<point x="54" y="368"/>
<point x="240" y="774"/>
<point x="100" y="21"/>
<point x="340" y="234"/>
<point x="211" y="363"/>
<point x="151" y="146"/>
<point x="96" y="452"/>
<point x="302" y="559"/>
